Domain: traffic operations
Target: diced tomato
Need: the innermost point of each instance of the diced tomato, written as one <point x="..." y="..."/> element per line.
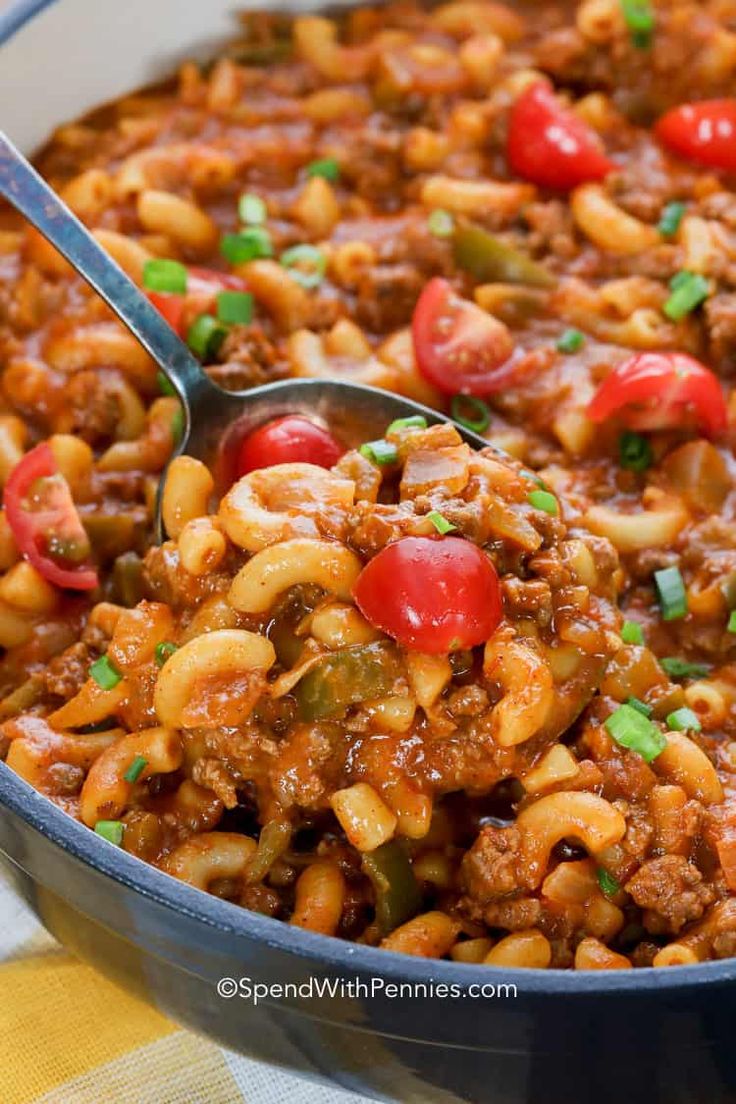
<point x="170" y="306"/>
<point x="460" y="348"/>
<point x="203" y="285"/>
<point x="45" y="523"/>
<point x="288" y="440"/>
<point x="549" y="145"/>
<point x="662" y="391"/>
<point x="703" y="132"/>
<point x="433" y="595"/>
<point x="209" y="280"/>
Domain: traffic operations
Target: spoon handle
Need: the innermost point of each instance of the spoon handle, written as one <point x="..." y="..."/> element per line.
<point x="25" y="190"/>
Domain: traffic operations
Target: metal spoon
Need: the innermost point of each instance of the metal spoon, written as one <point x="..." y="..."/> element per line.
<point x="211" y="415"/>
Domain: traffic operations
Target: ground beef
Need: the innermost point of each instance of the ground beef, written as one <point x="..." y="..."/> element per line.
<point x="720" y="315"/>
<point x="91" y="407"/>
<point x="386" y="296"/>
<point x="491" y="868"/>
<point x="250" y="358"/>
<point x="672" y="889"/>
<point x="66" y="673"/>
<point x="217" y="776"/>
<point x="516" y="915"/>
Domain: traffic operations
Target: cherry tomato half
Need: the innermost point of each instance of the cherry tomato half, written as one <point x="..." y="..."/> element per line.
<point x="549" y="145"/>
<point x="460" y="348"/>
<point x="432" y="595"/>
<point x="704" y="132"/>
<point x="662" y="391"/>
<point x="203" y="285"/>
<point x="289" y="440"/>
<point x="45" y="523"/>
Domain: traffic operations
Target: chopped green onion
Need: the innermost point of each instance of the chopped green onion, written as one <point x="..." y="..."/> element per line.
<point x="163" y="651"/>
<point x="441" y="224"/>
<point x="635" y="452"/>
<point x="205" y="336"/>
<point x="671" y="218"/>
<point x="632" y="730"/>
<point x="671" y="593"/>
<point x="543" y="500"/>
<point x="470" y="412"/>
<point x="678" y="668"/>
<point x="679" y="280"/>
<point x="315" y="260"/>
<point x="415" y="421"/>
<point x="327" y="167"/>
<point x="689" y="290"/>
<point x="640" y="20"/>
<point x="640" y="706"/>
<point x="441" y="524"/>
<point x="235" y="307"/>
<point x="111" y="830"/>
<point x="570" y="341"/>
<point x="607" y="882"/>
<point x="732" y="621"/>
<point x="105" y="673"/>
<point x="136" y="769"/>
<point x="632" y="633"/>
<point x="683" y="719"/>
<point x="252" y="209"/>
<point x="165" y="385"/>
<point x="247" y="245"/>
<point x="166" y="276"/>
<point x="534" y="478"/>
<point x="177" y="426"/>
<point x="379" y="452"/>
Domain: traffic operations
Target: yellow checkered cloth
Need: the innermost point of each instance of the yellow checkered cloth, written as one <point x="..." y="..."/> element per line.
<point x="69" y="1036"/>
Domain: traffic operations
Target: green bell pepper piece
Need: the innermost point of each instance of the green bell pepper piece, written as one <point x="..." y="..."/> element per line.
<point x="347" y="677"/>
<point x="397" y="893"/>
<point x="487" y="258"/>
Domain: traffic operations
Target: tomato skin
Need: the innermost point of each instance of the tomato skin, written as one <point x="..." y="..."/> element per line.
<point x="28" y="526"/>
<point x="288" y="440"/>
<point x="434" y="595"/>
<point x="459" y="348"/>
<point x="170" y="306"/>
<point x="203" y="285"/>
<point x="549" y="145"/>
<point x="703" y="132"/>
<point x="660" y="391"/>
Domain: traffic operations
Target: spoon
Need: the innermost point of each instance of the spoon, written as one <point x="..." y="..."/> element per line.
<point x="212" y="416"/>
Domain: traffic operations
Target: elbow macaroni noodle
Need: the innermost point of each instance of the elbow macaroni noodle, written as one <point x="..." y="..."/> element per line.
<point x="557" y="794"/>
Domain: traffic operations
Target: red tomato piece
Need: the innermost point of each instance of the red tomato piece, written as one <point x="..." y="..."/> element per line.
<point x="289" y="440"/>
<point x="170" y="306"/>
<point x="432" y="595"/>
<point x="662" y="391"/>
<point x="202" y="280"/>
<point x="460" y="348"/>
<point x="45" y="523"/>
<point x="703" y="132"/>
<point x="550" y="146"/>
<point x="203" y="285"/>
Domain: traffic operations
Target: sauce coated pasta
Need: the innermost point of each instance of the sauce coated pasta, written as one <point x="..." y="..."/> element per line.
<point x="452" y="703"/>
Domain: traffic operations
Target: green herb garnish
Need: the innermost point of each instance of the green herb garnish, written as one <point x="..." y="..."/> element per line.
<point x="631" y="729"/>
<point x="136" y="769"/>
<point x="570" y="341"/>
<point x="105" y="673"/>
<point x="544" y="500"/>
<point x="169" y="277"/>
<point x="671" y="593"/>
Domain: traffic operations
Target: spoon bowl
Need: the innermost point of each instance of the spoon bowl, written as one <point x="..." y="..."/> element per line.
<point x="215" y="421"/>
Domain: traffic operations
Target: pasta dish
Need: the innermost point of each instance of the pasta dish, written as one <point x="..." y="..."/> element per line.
<point x="475" y="704"/>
